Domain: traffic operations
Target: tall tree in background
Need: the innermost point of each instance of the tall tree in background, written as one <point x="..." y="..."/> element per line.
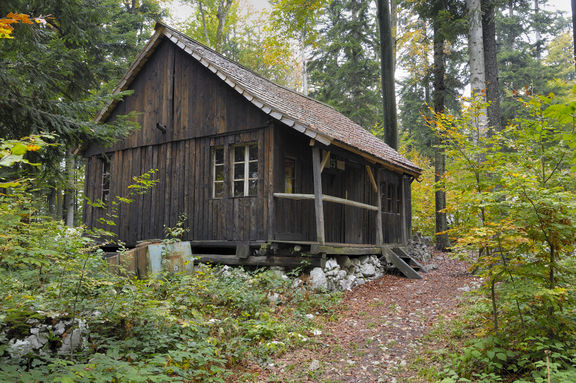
<point x="297" y="20"/>
<point x="491" y="63"/>
<point x="51" y="78"/>
<point x="573" y="3"/>
<point x="234" y="29"/>
<point x="438" y="100"/>
<point x="344" y="67"/>
<point x="476" y="52"/>
<point x="387" y="60"/>
<point x="523" y="31"/>
<point x="212" y="21"/>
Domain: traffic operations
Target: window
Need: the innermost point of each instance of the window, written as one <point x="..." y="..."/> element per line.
<point x="398" y="199"/>
<point x="106" y="177"/>
<point x="218" y="172"/>
<point x="289" y="175"/>
<point x="245" y="170"/>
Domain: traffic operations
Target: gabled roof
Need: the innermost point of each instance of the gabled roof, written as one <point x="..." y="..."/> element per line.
<point x="304" y="114"/>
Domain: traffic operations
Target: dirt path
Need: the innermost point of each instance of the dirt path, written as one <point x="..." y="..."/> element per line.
<point x="380" y="324"/>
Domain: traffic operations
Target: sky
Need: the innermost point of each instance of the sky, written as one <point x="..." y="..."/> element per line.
<point x="180" y="11"/>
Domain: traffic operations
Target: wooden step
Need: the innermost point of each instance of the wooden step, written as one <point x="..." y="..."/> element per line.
<point x="402" y="253"/>
<point x="402" y="266"/>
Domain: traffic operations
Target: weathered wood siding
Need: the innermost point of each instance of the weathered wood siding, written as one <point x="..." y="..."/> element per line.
<point x="199" y="111"/>
<point x="294" y="220"/>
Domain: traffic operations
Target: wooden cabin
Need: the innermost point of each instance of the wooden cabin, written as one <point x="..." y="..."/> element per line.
<point x="260" y="171"/>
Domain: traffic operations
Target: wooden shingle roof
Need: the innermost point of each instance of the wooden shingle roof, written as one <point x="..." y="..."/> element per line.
<point x="304" y="114"/>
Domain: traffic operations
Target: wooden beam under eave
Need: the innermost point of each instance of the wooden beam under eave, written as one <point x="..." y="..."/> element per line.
<point x="325" y="160"/>
<point x="318" y="204"/>
<point x="375" y="160"/>
<point x="371" y="176"/>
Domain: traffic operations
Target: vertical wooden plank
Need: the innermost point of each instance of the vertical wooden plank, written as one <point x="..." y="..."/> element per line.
<point x="168" y="160"/>
<point x="318" y="204"/>
<point x="379" y="234"/>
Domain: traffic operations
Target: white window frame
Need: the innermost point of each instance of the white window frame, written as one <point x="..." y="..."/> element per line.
<point x="214" y="165"/>
<point x="246" y="161"/>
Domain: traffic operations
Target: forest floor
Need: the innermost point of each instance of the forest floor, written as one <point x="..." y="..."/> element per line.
<point x="378" y="330"/>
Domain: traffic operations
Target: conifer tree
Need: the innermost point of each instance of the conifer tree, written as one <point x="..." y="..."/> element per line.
<point x="344" y="69"/>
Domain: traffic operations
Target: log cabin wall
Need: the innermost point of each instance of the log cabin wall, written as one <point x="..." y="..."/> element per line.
<point x="198" y="112"/>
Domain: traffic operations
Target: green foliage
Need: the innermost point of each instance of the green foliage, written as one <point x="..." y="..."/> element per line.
<point x="344" y="69"/>
<point x="423" y="220"/>
<point x="523" y="34"/>
<point x="234" y="29"/>
<point x="170" y="327"/>
<point x="514" y="218"/>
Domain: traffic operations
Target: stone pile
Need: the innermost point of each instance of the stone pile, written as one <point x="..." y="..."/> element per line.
<point x="52" y="336"/>
<point x="419" y="248"/>
<point x="344" y="273"/>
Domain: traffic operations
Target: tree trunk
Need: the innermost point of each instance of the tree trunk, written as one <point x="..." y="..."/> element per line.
<point x="387" y="74"/>
<point x="394" y="28"/>
<point x="476" y="47"/>
<point x="69" y="196"/>
<point x="221" y="15"/>
<point x="574" y="29"/>
<point x="201" y="6"/>
<point x="537" y="35"/>
<point x="477" y="67"/>
<point x="438" y="97"/>
<point x="491" y="64"/>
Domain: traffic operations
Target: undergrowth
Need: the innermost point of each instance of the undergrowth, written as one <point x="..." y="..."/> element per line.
<point x="461" y="350"/>
<point x="198" y="327"/>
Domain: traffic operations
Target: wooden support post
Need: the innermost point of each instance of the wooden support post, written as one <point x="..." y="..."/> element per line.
<point x="379" y="234"/>
<point x="404" y="212"/>
<point x="318" y="204"/>
<point x="270" y="140"/>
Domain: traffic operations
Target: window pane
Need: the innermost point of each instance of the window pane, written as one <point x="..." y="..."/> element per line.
<point x="239" y="153"/>
<point x="219" y="173"/>
<point x="219" y="155"/>
<point x="253" y="151"/>
<point x="238" y="188"/>
<point x="239" y="171"/>
<point x="253" y="187"/>
<point x="253" y="170"/>
<point x="218" y="189"/>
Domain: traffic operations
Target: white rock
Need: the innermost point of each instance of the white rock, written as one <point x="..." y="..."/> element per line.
<point x="348" y="283"/>
<point x="331" y="263"/>
<point x="333" y="272"/>
<point x="17" y="348"/>
<point x="59" y="328"/>
<point x="314" y="365"/>
<point x="273" y="297"/>
<point x="318" y="279"/>
<point x="367" y="270"/>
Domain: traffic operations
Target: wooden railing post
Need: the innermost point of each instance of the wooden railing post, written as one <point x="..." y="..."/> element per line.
<point x="318" y="204"/>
